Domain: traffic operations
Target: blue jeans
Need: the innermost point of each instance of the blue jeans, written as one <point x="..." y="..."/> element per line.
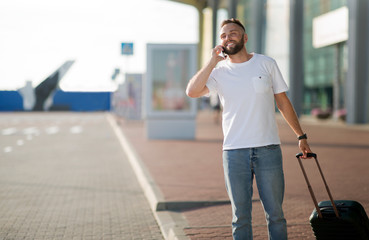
<point x="240" y="166"/>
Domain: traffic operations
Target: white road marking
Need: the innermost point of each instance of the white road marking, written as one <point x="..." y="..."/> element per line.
<point x="20" y="142"/>
<point x="8" y="131"/>
<point x="76" y="130"/>
<point x="8" y="149"/>
<point x="52" y="130"/>
<point x="31" y="131"/>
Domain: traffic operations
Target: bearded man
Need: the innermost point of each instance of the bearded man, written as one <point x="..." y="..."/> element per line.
<point x="249" y="85"/>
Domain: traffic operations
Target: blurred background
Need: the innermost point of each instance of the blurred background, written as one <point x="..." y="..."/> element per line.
<point x="92" y="48"/>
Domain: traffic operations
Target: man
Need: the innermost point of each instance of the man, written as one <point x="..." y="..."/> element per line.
<point x="247" y="85"/>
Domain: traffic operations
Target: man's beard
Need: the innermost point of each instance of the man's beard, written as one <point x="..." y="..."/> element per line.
<point x="236" y="48"/>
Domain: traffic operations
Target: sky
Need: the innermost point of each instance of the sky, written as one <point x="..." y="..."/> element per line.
<point x="38" y="36"/>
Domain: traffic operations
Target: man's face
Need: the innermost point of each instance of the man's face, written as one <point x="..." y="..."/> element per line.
<point x="233" y="38"/>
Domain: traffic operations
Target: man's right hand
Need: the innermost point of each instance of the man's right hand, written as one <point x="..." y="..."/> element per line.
<point x="197" y="85"/>
<point x="215" y="54"/>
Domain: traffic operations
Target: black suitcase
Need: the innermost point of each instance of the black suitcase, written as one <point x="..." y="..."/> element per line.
<point x="336" y="220"/>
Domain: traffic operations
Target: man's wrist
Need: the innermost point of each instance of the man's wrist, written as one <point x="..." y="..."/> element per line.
<point x="303" y="136"/>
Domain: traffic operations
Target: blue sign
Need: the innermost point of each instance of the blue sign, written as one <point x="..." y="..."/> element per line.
<point x="127" y="48"/>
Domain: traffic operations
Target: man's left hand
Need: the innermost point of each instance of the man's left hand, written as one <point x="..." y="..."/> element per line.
<point x="304" y="147"/>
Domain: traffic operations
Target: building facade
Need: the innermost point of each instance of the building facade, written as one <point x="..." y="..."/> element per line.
<point x="330" y="81"/>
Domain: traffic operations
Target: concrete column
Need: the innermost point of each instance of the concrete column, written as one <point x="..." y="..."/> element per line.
<point x="296" y="61"/>
<point x="201" y="38"/>
<point x="357" y="101"/>
<point x="214" y="4"/>
<point x="256" y="37"/>
<point x="232" y="8"/>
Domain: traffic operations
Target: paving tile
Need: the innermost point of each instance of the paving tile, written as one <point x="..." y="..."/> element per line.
<point x="192" y="171"/>
<point x="68" y="184"/>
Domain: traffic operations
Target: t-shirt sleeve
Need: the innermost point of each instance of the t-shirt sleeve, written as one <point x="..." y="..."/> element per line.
<point x="279" y="85"/>
<point x="211" y="84"/>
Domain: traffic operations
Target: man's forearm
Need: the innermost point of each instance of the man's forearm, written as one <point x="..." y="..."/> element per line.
<point x="197" y="85"/>
<point x="289" y="114"/>
<point x="294" y="123"/>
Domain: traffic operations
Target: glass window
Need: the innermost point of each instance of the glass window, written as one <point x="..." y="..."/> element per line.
<point x="319" y="63"/>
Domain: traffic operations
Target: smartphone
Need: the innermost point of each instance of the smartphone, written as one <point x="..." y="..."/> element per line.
<point x="223" y="54"/>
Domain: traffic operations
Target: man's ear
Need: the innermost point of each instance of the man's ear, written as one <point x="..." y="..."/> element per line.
<point x="245" y="37"/>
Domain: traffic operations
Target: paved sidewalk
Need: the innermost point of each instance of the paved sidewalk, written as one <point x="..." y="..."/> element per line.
<point x="188" y="178"/>
<point x="83" y="176"/>
<point x="65" y="176"/>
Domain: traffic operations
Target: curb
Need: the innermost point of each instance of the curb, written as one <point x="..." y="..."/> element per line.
<point x="171" y="223"/>
<point x="183" y="205"/>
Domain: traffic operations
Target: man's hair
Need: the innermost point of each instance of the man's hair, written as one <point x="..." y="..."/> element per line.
<point x="232" y="20"/>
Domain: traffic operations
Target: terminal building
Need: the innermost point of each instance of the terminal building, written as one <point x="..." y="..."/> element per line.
<point x="326" y="80"/>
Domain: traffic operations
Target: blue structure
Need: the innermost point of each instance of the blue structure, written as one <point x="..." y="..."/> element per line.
<point x="81" y="101"/>
<point x="63" y="101"/>
<point x="10" y="101"/>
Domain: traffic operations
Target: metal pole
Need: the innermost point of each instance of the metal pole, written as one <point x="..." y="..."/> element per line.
<point x="337" y="81"/>
<point x="296" y="60"/>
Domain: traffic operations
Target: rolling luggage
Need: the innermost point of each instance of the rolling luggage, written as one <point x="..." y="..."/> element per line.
<point x="336" y="219"/>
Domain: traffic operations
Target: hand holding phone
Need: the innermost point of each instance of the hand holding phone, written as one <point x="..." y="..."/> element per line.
<point x="222" y="53"/>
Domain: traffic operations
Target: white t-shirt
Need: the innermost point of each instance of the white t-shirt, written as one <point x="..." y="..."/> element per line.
<point x="246" y="91"/>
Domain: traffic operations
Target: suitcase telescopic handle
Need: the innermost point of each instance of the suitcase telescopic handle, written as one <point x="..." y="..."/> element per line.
<point x="313" y="155"/>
